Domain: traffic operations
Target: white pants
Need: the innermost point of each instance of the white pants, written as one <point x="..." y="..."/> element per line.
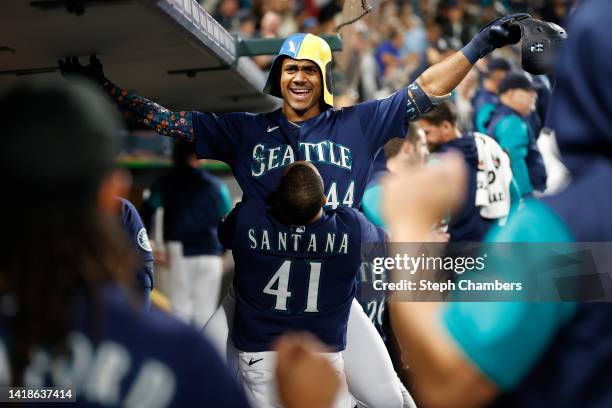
<point x="194" y="284"/>
<point x="257" y="374"/>
<point x="367" y="365"/>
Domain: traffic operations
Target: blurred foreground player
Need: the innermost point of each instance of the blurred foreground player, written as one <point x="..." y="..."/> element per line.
<point x="66" y="320"/>
<point x="528" y="354"/>
<point x="68" y="295"/>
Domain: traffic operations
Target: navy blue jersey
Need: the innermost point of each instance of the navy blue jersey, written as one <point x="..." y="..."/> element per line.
<point x="194" y="202"/>
<point x="132" y="224"/>
<point x="341" y="143"/>
<point x="466" y="223"/>
<point x="298" y="278"/>
<point x="139" y="359"/>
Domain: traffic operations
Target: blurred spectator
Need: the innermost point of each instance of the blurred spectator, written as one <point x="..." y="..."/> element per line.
<point x="227" y="14"/>
<point x="415" y="37"/>
<point x="454" y="22"/>
<point x="194" y="202"/>
<point x="247" y="26"/>
<point x="270" y="24"/>
<point x="508" y="125"/>
<point x="284" y="9"/>
<point x="486" y="98"/>
<point x="310" y="25"/>
<point x="361" y="69"/>
<point x="387" y="54"/>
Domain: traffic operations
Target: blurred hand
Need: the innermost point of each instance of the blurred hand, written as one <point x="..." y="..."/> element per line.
<point x="71" y="68"/>
<point x="415" y="199"/>
<point x="161" y="258"/>
<point x="305" y="379"/>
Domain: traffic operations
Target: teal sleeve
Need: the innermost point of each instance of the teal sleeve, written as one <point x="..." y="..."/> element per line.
<point x="225" y="205"/>
<point x="482" y="117"/>
<point x="370" y="204"/>
<point x="505" y="339"/>
<point x="515" y="196"/>
<point x="512" y="134"/>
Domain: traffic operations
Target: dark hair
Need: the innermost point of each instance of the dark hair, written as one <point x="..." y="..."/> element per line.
<point x="182" y="151"/>
<point x="299" y="196"/>
<point x="393" y="147"/>
<point x="444" y="112"/>
<point x="57" y="149"/>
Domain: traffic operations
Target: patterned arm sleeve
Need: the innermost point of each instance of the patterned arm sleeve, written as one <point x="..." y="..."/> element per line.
<point x="141" y="110"/>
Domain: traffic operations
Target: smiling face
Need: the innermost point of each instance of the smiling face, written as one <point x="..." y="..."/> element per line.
<point x="301" y="87"/>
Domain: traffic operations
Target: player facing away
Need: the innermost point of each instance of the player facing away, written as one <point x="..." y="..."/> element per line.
<point x="340" y="143"/>
<point x="295" y="270"/>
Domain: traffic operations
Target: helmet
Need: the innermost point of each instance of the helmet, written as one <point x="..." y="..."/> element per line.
<point x="303" y="46"/>
<point x="541" y="40"/>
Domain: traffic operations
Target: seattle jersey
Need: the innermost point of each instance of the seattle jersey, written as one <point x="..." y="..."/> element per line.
<point x="298" y="278"/>
<point x="341" y="143"/>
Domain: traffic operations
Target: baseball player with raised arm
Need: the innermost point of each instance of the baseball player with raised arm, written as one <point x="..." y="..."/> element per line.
<point x="341" y="144"/>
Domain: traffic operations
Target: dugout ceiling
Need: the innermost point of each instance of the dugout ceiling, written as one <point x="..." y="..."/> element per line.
<point x="170" y="51"/>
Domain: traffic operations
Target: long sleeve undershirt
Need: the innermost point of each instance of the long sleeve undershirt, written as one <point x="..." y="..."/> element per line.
<point x="163" y="121"/>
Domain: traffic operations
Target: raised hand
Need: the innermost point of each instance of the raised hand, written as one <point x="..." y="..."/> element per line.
<point x="496" y="34"/>
<point x="70" y="67"/>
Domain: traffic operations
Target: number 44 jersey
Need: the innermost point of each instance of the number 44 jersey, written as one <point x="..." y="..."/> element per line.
<point x="298" y="278"/>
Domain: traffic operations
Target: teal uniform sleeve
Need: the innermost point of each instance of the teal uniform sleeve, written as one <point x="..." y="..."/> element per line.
<point x="225" y="205"/>
<point x="515" y="196"/>
<point x="370" y="204"/>
<point x="505" y="339"/>
<point x="512" y="135"/>
<point x="482" y="117"/>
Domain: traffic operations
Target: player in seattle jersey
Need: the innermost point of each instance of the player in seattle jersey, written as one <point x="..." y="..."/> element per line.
<point x="295" y="270"/>
<point x="340" y="143"/>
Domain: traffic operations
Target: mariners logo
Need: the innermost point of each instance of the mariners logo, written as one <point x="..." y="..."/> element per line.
<point x="143" y="240"/>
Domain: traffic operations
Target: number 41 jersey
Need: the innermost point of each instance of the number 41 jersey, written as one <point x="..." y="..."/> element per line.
<point x="294" y="278"/>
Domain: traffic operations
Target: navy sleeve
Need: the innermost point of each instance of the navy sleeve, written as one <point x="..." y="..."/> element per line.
<point x="218" y="136"/>
<point x="383" y="119"/>
<point x="227" y="227"/>
<point x="132" y="223"/>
